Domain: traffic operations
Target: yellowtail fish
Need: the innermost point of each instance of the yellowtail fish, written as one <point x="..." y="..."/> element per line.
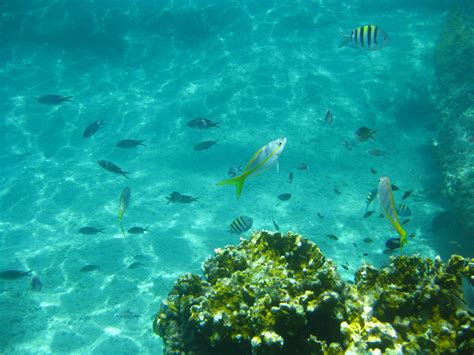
<point x="370" y="37"/>
<point x="264" y="158"/>
<point x="124" y="202"/>
<point x="388" y="207"/>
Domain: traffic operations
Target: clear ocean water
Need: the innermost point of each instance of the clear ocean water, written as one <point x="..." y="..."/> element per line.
<point x="263" y="69"/>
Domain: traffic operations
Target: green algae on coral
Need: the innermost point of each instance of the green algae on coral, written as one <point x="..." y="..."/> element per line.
<point x="278" y="293"/>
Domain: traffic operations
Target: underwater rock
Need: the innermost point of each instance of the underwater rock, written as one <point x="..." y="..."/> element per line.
<point x="455" y="143"/>
<point x="276" y="293"/>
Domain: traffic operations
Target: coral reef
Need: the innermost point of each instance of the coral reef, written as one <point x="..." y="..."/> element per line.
<point x="278" y="293"/>
<point x="455" y="144"/>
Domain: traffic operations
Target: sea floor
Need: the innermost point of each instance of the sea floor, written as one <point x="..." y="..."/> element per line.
<point x="263" y="70"/>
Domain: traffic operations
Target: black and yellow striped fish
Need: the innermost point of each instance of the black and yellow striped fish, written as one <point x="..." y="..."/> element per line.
<point x="241" y="224"/>
<point x="370" y="37"/>
<point x="370" y="197"/>
<point x="403" y="210"/>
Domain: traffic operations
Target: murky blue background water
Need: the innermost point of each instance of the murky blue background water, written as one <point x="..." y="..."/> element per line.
<point x="264" y="70"/>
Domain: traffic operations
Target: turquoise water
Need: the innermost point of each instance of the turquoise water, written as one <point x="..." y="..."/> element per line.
<point x="264" y="70"/>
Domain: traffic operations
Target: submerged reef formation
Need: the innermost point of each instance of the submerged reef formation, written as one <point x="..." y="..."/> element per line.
<point x="277" y="293"/>
<point x="454" y="147"/>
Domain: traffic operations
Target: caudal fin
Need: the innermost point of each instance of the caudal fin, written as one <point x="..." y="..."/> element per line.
<point x="345" y="39"/>
<point x="237" y="181"/>
<point x="67" y="98"/>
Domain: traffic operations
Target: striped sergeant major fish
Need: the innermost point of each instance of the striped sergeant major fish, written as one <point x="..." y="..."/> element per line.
<point x="241" y="224"/>
<point x="387" y="204"/>
<point x="370" y="197"/>
<point x="370" y="37"/>
<point x="264" y="158"/>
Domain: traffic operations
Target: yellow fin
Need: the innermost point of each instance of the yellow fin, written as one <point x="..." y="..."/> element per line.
<point x="237" y="181"/>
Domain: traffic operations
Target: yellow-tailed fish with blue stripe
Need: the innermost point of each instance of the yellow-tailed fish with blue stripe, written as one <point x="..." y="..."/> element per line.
<point x="264" y="158"/>
<point x="388" y="207"/>
<point x="370" y="37"/>
<point x="124" y="202"/>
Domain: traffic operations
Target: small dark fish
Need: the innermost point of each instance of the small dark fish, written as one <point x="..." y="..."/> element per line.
<point x="368" y="240"/>
<point x="92" y="128"/>
<point x="204" y="145"/>
<point x="329" y="117"/>
<point x="127" y="314"/>
<point x="130" y="143"/>
<point x="90" y="268"/>
<point x="136" y="265"/>
<point x="365" y="254"/>
<point x="90" y="230"/>
<point x="320" y="215"/>
<point x="380" y="215"/>
<point x="276" y="225"/>
<point x="53" y="99"/>
<point x="376" y="152"/>
<point x="344" y="267"/>
<point x="13" y="274"/>
<point x="393" y="243"/>
<point x="284" y="197"/>
<point x="368" y="214"/>
<point x="332" y="236"/>
<point x="290" y="177"/>
<point x="138" y="230"/>
<point x="363" y="134"/>
<point x="234" y="171"/>
<point x="109" y="166"/>
<point x="36" y="284"/>
<point x="302" y="166"/>
<point x="354" y="244"/>
<point x="406" y="194"/>
<point x="241" y="224"/>
<point x="373" y="171"/>
<point x="176" y="197"/>
<point x="337" y="191"/>
<point x="395" y="187"/>
<point x="389" y="251"/>
<point x="403" y="210"/>
<point x="202" y="123"/>
<point x="405" y="221"/>
<point x="348" y="145"/>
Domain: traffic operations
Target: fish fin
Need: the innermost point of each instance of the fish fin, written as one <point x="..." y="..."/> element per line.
<point x="141" y="143"/>
<point x="345" y="39"/>
<point x="237" y="181"/>
<point x="121" y="227"/>
<point x="124" y="173"/>
<point x="67" y="98"/>
<point x="215" y="124"/>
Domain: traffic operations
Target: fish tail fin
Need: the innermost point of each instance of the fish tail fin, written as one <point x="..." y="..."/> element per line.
<point x="141" y="143"/>
<point x="27" y="272"/>
<point x="124" y="173"/>
<point x="121" y="227"/>
<point x="215" y="124"/>
<point x="345" y="39"/>
<point x="372" y="134"/>
<point x="237" y="181"/>
<point x="67" y="98"/>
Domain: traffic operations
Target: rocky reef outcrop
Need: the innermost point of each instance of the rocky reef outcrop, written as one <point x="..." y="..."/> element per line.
<point x="453" y="58"/>
<point x="275" y="294"/>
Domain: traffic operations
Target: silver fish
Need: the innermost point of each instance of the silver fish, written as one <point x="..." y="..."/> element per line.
<point x="109" y="166"/>
<point x="53" y="99"/>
